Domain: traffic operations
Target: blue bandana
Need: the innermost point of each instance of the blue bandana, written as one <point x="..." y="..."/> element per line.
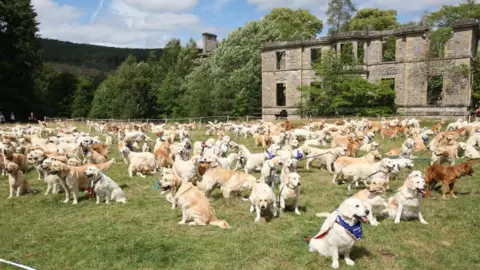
<point x="355" y="230"/>
<point x="425" y="140"/>
<point x="85" y="152"/>
<point x="270" y="155"/>
<point x="189" y="147"/>
<point x="129" y="145"/>
<point x="299" y="155"/>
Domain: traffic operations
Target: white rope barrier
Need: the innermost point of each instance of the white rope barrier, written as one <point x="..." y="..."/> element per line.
<point x="17" y="265"/>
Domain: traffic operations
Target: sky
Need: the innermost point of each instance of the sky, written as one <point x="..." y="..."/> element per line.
<point x="151" y="23"/>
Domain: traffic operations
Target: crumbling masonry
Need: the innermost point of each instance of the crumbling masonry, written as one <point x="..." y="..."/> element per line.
<point x="287" y="66"/>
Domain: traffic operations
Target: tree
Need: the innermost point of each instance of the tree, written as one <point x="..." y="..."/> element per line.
<point x="339" y="13"/>
<point x="126" y="94"/>
<point x="294" y="24"/>
<point x="197" y="100"/>
<point x="448" y="14"/>
<point x="341" y="91"/>
<point x="83" y="96"/>
<point x="373" y="18"/>
<point x="20" y="58"/>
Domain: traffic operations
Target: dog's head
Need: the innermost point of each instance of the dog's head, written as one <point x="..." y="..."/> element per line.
<point x="409" y="143"/>
<point x="291" y="164"/>
<point x="92" y="171"/>
<point x="389" y="164"/>
<point x="125" y="151"/>
<point x="467" y="168"/>
<point x="293" y="180"/>
<point x="414" y="182"/>
<point x="353" y="208"/>
<point x="378" y="185"/>
<point x="11" y="168"/>
<point x="169" y="181"/>
<point x="58" y="167"/>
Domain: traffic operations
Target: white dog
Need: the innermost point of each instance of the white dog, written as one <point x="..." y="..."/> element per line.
<point x="261" y="198"/>
<point x="290" y="192"/>
<point x="407" y="202"/>
<point x="340" y="231"/>
<point x="104" y="187"/>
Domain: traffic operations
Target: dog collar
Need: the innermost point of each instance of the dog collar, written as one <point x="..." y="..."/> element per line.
<point x="85" y="152"/>
<point x="299" y="154"/>
<point x="270" y="155"/>
<point x="96" y="181"/>
<point x="425" y="140"/>
<point x="129" y="145"/>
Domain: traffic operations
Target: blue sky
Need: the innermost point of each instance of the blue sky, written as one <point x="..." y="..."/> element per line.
<point x="151" y="23"/>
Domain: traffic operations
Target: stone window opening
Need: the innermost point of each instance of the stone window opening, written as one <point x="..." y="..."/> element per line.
<point x="388" y="49"/>
<point x="390" y="82"/>
<point x="281" y="95"/>
<point x="280" y="60"/>
<point x="361" y="53"/>
<point x="313" y="96"/>
<point x="315" y="55"/>
<point x="435" y="90"/>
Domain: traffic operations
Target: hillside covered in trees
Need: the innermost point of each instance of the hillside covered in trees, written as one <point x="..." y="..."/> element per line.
<point x="63" y="79"/>
<point x="89" y="56"/>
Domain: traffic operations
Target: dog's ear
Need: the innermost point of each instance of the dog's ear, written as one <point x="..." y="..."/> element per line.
<point x="409" y="183"/>
<point x="328" y="223"/>
<point x="345" y="209"/>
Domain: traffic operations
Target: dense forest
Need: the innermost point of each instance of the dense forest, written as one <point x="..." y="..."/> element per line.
<point x="62" y="79"/>
<point x="90" y="56"/>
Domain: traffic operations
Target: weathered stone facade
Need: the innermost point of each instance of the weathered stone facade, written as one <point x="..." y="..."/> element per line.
<point x="411" y="68"/>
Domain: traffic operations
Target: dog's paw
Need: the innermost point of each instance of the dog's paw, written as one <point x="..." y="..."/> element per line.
<point x="349" y="262"/>
<point x="252" y="209"/>
<point x="181" y="222"/>
<point x="297" y="212"/>
<point x="423" y="222"/>
<point x="75" y="202"/>
<point x="65" y="201"/>
<point x="396" y="221"/>
<point x="257" y="220"/>
<point x="335" y="265"/>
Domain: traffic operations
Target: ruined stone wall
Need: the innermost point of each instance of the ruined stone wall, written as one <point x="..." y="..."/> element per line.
<point x="411" y="69"/>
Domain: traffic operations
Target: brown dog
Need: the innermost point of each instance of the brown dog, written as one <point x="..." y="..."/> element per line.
<point x="447" y="175"/>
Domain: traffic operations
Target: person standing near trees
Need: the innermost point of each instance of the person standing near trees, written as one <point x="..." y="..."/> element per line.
<point x="32" y="118"/>
<point x="2" y="118"/>
<point x="12" y="117"/>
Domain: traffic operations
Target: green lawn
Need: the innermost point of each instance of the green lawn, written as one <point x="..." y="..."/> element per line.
<point x="40" y="231"/>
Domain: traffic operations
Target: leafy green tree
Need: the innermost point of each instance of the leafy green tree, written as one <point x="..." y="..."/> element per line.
<point x="197" y="100"/>
<point x="448" y="14"/>
<point x="83" y="97"/>
<point x="294" y="24"/>
<point x="339" y="14"/>
<point x="373" y="18"/>
<point x="342" y="91"/>
<point x="127" y="94"/>
<point x="20" y="58"/>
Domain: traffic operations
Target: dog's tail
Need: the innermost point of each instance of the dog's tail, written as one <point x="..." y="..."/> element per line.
<point x="106" y="165"/>
<point x="220" y="223"/>
<point x="307" y="239"/>
<point x="323" y="214"/>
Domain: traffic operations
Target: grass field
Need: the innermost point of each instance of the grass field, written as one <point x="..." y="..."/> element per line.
<point x="40" y="231"/>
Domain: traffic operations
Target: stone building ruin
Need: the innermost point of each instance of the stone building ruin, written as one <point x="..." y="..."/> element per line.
<point x="287" y="66"/>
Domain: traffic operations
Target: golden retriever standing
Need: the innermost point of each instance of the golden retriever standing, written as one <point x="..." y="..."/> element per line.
<point x="75" y="177"/>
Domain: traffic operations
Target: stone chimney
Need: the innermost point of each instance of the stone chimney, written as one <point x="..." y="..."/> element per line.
<point x="209" y="43"/>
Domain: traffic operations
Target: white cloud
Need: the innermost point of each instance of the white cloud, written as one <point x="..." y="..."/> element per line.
<point x="162" y="5"/>
<point x="402" y="6"/>
<point x="123" y="25"/>
<point x="269" y="4"/>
